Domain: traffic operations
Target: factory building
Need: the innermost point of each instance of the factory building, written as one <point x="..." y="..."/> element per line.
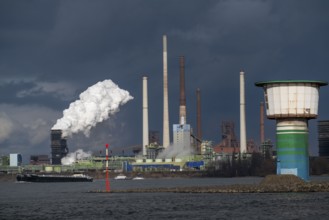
<point x="153" y="150"/>
<point x="266" y="149"/>
<point x="323" y="138"/>
<point x="228" y="134"/>
<point x="4" y="161"/>
<point x="229" y="144"/>
<point x="39" y="159"/>
<point x="15" y="160"/>
<point x="182" y="136"/>
<point x="154" y="137"/>
<point x="58" y="146"/>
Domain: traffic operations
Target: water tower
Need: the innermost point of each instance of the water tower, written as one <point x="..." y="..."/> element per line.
<point x="292" y="103"/>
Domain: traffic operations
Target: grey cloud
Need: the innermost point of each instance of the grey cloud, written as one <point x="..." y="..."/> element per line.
<point x="61" y="90"/>
<point x="6" y="127"/>
<point x="59" y="43"/>
<point x="28" y="129"/>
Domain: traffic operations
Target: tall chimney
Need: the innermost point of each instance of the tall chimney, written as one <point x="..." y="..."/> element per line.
<point x="145" y="117"/>
<point x="262" y="136"/>
<point x="182" y="98"/>
<point x="243" y="139"/>
<point x="198" y="119"/>
<point x="166" y="138"/>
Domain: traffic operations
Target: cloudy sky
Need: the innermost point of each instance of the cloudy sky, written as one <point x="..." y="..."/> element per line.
<point x="51" y="51"/>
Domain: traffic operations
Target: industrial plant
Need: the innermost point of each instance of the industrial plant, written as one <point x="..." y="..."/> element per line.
<point x="290" y="102"/>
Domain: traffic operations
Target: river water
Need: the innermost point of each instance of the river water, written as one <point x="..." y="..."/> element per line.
<point x="72" y="201"/>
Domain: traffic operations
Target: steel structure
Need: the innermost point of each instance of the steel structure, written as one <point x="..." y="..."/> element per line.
<point x="59" y="147"/>
<point x="323" y="137"/>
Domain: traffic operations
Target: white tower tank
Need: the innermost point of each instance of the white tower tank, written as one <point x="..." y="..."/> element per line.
<point x="292" y="103"/>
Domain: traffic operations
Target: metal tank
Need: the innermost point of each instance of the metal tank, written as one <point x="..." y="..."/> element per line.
<point x="292" y="103"/>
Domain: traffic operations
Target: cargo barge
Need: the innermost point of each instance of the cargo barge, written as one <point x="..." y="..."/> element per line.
<point x="53" y="178"/>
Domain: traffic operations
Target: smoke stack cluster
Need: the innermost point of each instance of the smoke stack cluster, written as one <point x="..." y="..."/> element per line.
<point x="166" y="138"/>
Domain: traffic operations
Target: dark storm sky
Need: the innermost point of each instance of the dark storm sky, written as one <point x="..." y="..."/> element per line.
<point x="51" y="51"/>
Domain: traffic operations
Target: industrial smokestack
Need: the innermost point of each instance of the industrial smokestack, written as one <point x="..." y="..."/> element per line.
<point x="262" y="136"/>
<point x="243" y="139"/>
<point x="198" y="119"/>
<point x="145" y="117"/>
<point x="166" y="138"/>
<point x="182" y="98"/>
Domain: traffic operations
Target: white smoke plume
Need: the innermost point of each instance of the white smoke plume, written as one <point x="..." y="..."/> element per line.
<point x="95" y="105"/>
<point x="73" y="157"/>
<point x="176" y="151"/>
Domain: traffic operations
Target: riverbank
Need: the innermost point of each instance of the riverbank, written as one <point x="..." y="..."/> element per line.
<point x="4" y="177"/>
<point x="270" y="184"/>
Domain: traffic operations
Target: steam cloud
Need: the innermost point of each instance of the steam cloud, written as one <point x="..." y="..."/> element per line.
<point x="73" y="157"/>
<point x="95" y="105"/>
<point x="174" y="151"/>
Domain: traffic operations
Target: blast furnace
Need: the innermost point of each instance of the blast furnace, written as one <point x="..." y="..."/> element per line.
<point x="58" y="146"/>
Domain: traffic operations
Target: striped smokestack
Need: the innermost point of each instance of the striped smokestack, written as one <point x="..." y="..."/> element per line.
<point x="182" y="98"/>
<point x="198" y="119"/>
<point x="166" y="138"/>
<point x="145" y="117"/>
<point x="243" y="138"/>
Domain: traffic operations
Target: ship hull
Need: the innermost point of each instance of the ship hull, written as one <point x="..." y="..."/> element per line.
<point x="52" y="178"/>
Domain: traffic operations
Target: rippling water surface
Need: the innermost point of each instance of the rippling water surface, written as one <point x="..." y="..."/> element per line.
<point x="72" y="201"/>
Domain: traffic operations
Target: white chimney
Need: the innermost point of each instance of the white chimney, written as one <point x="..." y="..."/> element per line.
<point x="145" y="117"/>
<point x="166" y="138"/>
<point x="243" y="138"/>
